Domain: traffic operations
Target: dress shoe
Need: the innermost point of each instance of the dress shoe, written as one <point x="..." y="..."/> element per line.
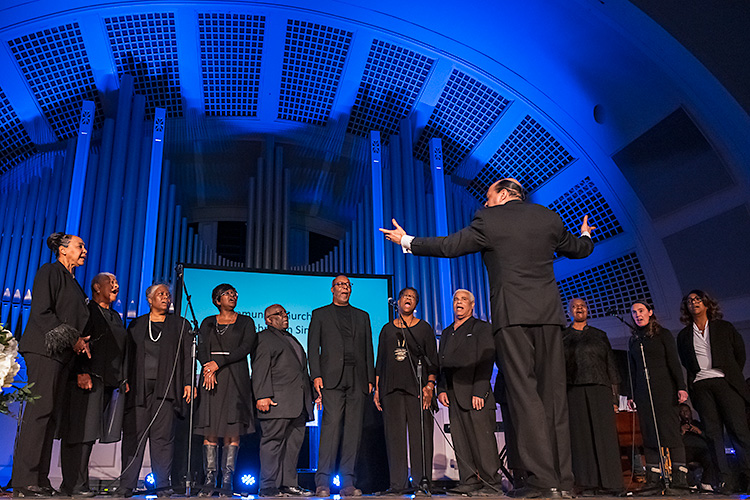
<point x="123" y="492"/>
<point x="350" y="491"/>
<point x="81" y="493"/>
<point x="29" y="492"/>
<point x="464" y="489"/>
<point x="296" y="491"/>
<point x="270" y="493"/>
<point x="525" y="492"/>
<point x="557" y="493"/>
<point x="390" y="492"/>
<point x="322" y="491"/>
<point x="165" y="493"/>
<point x="488" y="490"/>
<point x="725" y="488"/>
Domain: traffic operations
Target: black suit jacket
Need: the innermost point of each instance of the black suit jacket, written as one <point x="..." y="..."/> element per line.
<point x="108" y="349"/>
<point x="727" y="354"/>
<point x="169" y="348"/>
<point x="56" y="299"/>
<point x="325" y="347"/>
<point x="467" y="357"/>
<point x="518" y="242"/>
<point x="280" y="375"/>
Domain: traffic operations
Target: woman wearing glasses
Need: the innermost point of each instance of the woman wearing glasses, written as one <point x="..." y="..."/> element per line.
<point x="226" y="398"/>
<point x="713" y="353"/>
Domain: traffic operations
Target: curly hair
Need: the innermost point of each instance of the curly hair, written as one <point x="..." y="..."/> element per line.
<point x="713" y="311"/>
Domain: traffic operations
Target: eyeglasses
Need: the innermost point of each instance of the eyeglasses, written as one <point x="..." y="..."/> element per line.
<point x="694" y="300"/>
<point x="409" y="296"/>
<point x="281" y="313"/>
<point x="343" y="284"/>
<point x="230" y="293"/>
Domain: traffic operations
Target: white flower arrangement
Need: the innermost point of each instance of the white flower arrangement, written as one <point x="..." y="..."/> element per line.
<point x="9" y="368"/>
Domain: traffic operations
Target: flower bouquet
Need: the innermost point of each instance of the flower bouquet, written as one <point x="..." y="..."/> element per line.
<point x="9" y="368"/>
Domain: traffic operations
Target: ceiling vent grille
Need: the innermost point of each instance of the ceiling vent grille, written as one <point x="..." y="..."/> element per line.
<point x="231" y="52"/>
<point x="314" y="57"/>
<point x="463" y="114"/>
<point x="15" y="143"/>
<point x="612" y="286"/>
<point x="585" y="199"/>
<point x="392" y="80"/>
<point x="145" y="46"/>
<point x="530" y="154"/>
<point x="56" y="67"/>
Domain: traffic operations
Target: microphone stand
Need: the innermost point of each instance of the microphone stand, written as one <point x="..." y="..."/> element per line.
<point x="193" y="366"/>
<point x="662" y="463"/>
<point x="424" y="483"/>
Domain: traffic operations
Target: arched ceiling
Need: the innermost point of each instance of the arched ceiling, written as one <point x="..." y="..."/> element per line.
<point x="546" y="91"/>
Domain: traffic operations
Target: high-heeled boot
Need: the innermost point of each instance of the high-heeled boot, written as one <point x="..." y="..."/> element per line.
<point x="229" y="459"/>
<point x="210" y="469"/>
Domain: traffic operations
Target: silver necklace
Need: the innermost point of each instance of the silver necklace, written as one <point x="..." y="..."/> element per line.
<point x="151" y="334"/>
<point x="222" y="331"/>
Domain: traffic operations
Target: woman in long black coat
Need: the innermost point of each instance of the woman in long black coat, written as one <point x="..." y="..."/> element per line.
<point x="592" y="391"/>
<point x="159" y="378"/>
<point x="97" y="386"/>
<point x="226" y="396"/>
<point x="52" y="338"/>
<point x="668" y="390"/>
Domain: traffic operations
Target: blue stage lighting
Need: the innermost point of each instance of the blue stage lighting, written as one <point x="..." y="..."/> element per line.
<point x="248" y="479"/>
<point x="336" y="480"/>
<point x="150" y="479"/>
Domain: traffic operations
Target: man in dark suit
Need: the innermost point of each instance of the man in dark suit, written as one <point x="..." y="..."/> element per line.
<point x="466" y="357"/>
<point x="339" y="346"/>
<point x="713" y="353"/>
<point x="284" y="401"/>
<point x="518" y="242"/>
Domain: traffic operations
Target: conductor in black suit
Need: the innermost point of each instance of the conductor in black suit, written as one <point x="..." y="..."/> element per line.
<point x="713" y="353"/>
<point x="518" y="242"/>
<point x="283" y="392"/>
<point x="339" y="346"/>
<point x="467" y="356"/>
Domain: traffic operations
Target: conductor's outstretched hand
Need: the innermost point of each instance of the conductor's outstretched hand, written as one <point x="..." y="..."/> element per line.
<point x="394" y="235"/>
<point x="585" y="226"/>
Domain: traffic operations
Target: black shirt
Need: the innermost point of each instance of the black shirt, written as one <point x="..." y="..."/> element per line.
<point x="393" y="366"/>
<point x="344" y="317"/>
<point x="589" y="359"/>
<point x="152" y="349"/>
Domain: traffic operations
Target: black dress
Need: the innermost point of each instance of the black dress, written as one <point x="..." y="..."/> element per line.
<point x="591" y="375"/>
<point x="399" y="396"/>
<point x="227" y="410"/>
<point x="666" y="378"/>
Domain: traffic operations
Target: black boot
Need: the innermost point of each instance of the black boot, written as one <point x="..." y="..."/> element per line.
<point x="229" y="458"/>
<point x="679" y="476"/>
<point x="653" y="480"/>
<point x="209" y="467"/>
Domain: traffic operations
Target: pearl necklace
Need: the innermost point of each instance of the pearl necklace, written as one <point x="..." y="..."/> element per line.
<point x="151" y="334"/>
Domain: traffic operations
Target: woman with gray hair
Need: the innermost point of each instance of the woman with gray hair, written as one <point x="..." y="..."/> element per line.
<point x="159" y="377"/>
<point x="52" y="338"/>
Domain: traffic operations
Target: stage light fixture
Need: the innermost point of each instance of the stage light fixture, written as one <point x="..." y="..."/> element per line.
<point x="336" y="480"/>
<point x="150" y="479"/>
<point x="248" y="479"/>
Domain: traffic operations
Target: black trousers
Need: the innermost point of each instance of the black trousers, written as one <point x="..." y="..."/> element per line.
<point x="473" y="436"/>
<point x="340" y="430"/>
<point x="280" y="443"/>
<point x="74" y="461"/>
<point x="534" y="369"/>
<point x="401" y="417"/>
<point x="720" y="405"/>
<point x="160" y="437"/>
<point x="33" y="453"/>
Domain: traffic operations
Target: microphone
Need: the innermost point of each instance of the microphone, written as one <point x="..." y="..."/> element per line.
<point x="392" y="302"/>
<point x="612" y="311"/>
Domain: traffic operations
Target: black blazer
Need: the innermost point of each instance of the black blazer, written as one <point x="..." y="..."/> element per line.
<point x="108" y="349"/>
<point x="240" y="341"/>
<point x="518" y="242"/>
<point x="325" y="347"/>
<point x="727" y="354"/>
<point x="278" y="374"/>
<point x="169" y="347"/>
<point x="467" y="357"/>
<point x="56" y="299"/>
